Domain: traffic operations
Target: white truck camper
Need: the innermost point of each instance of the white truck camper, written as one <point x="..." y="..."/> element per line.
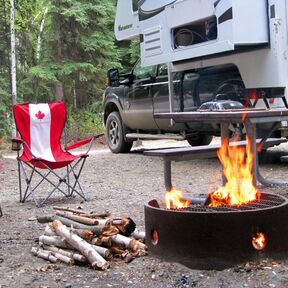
<point x="193" y="34"/>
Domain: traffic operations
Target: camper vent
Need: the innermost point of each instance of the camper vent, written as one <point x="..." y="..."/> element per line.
<point x="152" y="41"/>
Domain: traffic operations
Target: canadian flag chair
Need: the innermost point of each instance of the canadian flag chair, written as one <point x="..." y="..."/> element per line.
<point x="41" y="127"/>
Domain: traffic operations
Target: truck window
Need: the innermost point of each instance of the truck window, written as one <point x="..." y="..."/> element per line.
<point x="144" y="72"/>
<point x="135" y="5"/>
<point x="162" y="70"/>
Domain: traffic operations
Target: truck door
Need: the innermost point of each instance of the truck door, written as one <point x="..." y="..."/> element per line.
<point x="138" y="108"/>
<point x="161" y="97"/>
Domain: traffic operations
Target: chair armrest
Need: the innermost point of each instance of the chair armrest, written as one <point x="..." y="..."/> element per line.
<point x="16" y="143"/>
<point x="84" y="142"/>
<point x="17" y="140"/>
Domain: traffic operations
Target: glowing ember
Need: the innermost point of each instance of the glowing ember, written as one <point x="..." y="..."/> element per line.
<point x="237" y="167"/>
<point x="259" y="241"/>
<point x="174" y="199"/>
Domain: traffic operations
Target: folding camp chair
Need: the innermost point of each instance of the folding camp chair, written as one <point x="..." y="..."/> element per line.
<point x="41" y="127"/>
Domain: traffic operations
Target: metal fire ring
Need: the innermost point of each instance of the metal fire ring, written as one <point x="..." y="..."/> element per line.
<point x="217" y="237"/>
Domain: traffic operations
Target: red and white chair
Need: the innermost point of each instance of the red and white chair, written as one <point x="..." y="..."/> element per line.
<point x="41" y="127"/>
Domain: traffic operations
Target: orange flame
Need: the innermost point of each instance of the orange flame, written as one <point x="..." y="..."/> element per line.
<point x="174" y="199"/>
<point x="237" y="167"/>
<point x="259" y="241"/>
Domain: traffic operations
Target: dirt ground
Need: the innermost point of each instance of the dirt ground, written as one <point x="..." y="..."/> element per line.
<point x="122" y="184"/>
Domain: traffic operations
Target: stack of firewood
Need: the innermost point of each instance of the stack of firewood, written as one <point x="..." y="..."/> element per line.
<point x="73" y="236"/>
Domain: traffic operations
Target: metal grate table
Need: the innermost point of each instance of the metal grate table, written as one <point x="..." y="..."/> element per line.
<point x="248" y="117"/>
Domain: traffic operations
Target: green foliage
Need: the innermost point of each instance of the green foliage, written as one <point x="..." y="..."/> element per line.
<point x="61" y="41"/>
<point x="83" y="123"/>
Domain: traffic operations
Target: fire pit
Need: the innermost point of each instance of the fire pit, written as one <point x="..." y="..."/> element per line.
<point x="205" y="237"/>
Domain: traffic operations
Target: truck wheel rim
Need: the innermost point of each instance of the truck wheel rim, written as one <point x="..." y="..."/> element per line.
<point x="114" y="133"/>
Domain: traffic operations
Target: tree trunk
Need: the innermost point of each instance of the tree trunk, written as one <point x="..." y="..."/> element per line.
<point x="58" y="88"/>
<point x="13" y="60"/>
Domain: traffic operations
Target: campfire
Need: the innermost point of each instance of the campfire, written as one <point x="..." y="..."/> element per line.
<point x="239" y="189"/>
<point x="235" y="223"/>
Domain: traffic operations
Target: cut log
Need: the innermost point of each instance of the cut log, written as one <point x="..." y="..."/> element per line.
<point x="48" y="231"/>
<point x="131" y="244"/>
<point x="96" y="260"/>
<point x="46" y="255"/>
<point x="63" y="258"/>
<point x="84" y="213"/>
<point x="54" y="241"/>
<point x="77" y="218"/>
<point x="69" y="253"/>
<point x="104" y="252"/>
<point x="96" y="229"/>
<point x="83" y="233"/>
<point x="109" y="231"/>
<point x="125" y="225"/>
<point x="102" y="241"/>
<point x="138" y="235"/>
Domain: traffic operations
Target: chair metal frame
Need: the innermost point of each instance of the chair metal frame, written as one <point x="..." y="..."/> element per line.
<point x="28" y="169"/>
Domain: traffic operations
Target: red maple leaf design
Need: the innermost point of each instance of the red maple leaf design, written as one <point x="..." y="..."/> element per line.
<point x="40" y="115"/>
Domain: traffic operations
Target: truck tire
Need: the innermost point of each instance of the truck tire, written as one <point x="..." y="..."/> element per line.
<point x="115" y="134"/>
<point x="199" y="139"/>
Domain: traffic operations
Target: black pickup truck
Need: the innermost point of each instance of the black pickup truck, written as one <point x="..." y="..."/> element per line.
<point x="131" y="100"/>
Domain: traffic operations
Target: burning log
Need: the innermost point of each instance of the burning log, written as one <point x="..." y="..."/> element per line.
<point x="96" y="260"/>
<point x="68" y="253"/>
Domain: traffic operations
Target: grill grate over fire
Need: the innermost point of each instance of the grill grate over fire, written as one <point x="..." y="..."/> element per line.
<point x="264" y="201"/>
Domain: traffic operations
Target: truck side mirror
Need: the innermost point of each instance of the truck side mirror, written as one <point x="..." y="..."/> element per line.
<point x="113" y="77"/>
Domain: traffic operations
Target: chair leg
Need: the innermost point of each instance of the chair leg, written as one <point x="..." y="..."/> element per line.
<point x="1" y="214"/>
<point x="77" y="176"/>
<point x="65" y="179"/>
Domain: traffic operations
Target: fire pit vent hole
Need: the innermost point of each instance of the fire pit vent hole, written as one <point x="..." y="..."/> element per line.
<point x="154" y="237"/>
<point x="259" y="241"/>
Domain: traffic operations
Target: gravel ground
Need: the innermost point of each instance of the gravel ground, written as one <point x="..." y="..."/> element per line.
<point x="122" y="184"/>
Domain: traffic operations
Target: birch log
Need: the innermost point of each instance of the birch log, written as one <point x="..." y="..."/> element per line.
<point x="96" y="229"/>
<point x="132" y="244"/>
<point x="46" y="255"/>
<point x="68" y="253"/>
<point x="54" y="241"/>
<point x="96" y="260"/>
<point x="77" y="218"/>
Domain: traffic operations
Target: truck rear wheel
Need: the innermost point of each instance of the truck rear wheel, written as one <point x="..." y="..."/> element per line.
<point x="115" y="134"/>
<point x="199" y="139"/>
